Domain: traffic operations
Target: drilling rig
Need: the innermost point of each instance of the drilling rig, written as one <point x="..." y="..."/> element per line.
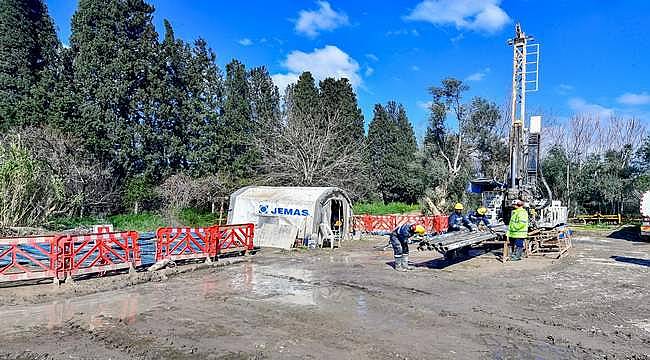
<point x="525" y="180"/>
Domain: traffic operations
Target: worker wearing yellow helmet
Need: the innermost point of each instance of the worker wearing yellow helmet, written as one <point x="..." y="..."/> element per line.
<point x="399" y="241"/>
<point x="479" y="217"/>
<point x="457" y="220"/>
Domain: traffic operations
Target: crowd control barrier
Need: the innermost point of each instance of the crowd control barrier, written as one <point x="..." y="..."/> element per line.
<point x="87" y="254"/>
<point x="184" y="243"/>
<point x="61" y="257"/>
<point x="31" y="257"/>
<point x="196" y="243"/>
<point x="386" y="223"/>
<point x="233" y="238"/>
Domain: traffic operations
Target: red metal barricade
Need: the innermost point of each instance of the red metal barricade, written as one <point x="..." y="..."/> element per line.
<point x="376" y="223"/>
<point x="233" y="238"/>
<point x="86" y="254"/>
<point x="441" y="223"/>
<point x="184" y="243"/>
<point x="426" y="221"/>
<point x="358" y="223"/>
<point x="31" y="257"/>
<point x="379" y="223"/>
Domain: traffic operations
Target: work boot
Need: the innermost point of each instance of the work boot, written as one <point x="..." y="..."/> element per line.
<point x="405" y="263"/>
<point x="518" y="253"/>
<point x="398" y="264"/>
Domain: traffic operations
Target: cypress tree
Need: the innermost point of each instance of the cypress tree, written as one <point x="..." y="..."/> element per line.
<point x="264" y="101"/>
<point x="174" y="108"/>
<point x="392" y="147"/>
<point x="115" y="44"/>
<point x="204" y="112"/>
<point x="304" y="95"/>
<point x="28" y="49"/>
<point x="337" y="99"/>
<point x="239" y="155"/>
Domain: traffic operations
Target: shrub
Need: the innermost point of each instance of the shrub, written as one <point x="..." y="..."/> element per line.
<point x="379" y="208"/>
<point x="29" y="194"/>
<point x="138" y="191"/>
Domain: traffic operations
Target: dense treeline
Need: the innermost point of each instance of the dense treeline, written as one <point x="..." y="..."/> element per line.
<point x="126" y="119"/>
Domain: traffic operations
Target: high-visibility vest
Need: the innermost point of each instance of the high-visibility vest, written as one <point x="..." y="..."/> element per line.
<point x="518" y="227"/>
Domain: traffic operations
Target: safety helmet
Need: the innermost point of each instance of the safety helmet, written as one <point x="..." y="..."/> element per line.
<point x="481" y="210"/>
<point x="419" y="229"/>
<point x="458" y="206"/>
<point x="517" y="202"/>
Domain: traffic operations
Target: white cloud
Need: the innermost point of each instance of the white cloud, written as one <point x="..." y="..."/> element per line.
<point x="369" y="71"/>
<point x="415" y="68"/>
<point x="400" y="32"/>
<point x="283" y="80"/>
<point x="478" y="76"/>
<point x="310" y="22"/>
<point x="372" y="57"/>
<point x="457" y="38"/>
<point x="634" y="99"/>
<point x="477" y="15"/>
<point x="581" y="106"/>
<point x="564" y="89"/>
<point x="245" y="42"/>
<point x="329" y="61"/>
<point x="425" y="105"/>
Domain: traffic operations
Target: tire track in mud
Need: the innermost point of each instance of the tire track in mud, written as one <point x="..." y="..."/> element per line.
<point x="374" y="291"/>
<point x="115" y="335"/>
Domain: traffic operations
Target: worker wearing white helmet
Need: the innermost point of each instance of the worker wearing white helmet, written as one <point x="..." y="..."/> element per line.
<point x="399" y="241"/>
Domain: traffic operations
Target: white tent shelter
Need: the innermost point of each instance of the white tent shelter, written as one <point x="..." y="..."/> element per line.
<point x="283" y="214"/>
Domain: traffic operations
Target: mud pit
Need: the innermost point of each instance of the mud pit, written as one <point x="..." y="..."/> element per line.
<point x="349" y="304"/>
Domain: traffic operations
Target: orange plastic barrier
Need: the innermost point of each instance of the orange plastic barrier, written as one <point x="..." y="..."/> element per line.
<point x="375" y="223"/>
<point x="197" y="243"/>
<point x="60" y="257"/>
<point x="30" y="257"/>
<point x="184" y="243"/>
<point x="233" y="238"/>
<point x="86" y="254"/>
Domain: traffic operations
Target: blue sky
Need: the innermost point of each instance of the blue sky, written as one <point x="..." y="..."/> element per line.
<point x="594" y="54"/>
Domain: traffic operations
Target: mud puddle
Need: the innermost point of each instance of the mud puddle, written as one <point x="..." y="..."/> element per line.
<point x="282" y="284"/>
<point x="88" y="310"/>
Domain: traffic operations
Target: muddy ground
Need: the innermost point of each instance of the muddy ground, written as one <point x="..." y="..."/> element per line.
<point x="348" y="304"/>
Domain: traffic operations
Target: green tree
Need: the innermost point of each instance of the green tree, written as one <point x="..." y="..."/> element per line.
<point x="303" y="95"/>
<point x="554" y="167"/>
<point x="238" y="129"/>
<point x="114" y="43"/>
<point x="487" y="139"/>
<point x="337" y="98"/>
<point x="264" y="102"/>
<point x="28" y="48"/>
<point x="171" y="83"/>
<point x="392" y="152"/>
<point x="204" y="135"/>
<point x="471" y="145"/>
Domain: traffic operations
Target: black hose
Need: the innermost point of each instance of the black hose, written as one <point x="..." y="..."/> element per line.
<point x="548" y="188"/>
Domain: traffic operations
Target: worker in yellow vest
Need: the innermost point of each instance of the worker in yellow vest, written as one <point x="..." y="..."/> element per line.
<point x="518" y="229"/>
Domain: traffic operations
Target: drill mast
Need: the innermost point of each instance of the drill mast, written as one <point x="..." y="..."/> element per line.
<point x="523" y="143"/>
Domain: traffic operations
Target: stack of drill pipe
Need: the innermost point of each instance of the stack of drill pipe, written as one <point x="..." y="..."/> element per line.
<point x="457" y="240"/>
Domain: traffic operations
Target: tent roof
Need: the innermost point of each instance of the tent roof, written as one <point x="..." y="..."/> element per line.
<point x="279" y="193"/>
